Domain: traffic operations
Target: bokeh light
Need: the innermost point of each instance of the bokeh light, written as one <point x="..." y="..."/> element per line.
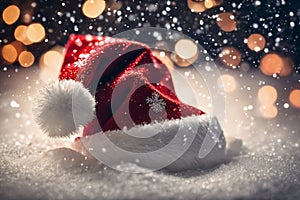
<point x="93" y="8"/>
<point x="267" y="95"/>
<point x="209" y="4"/>
<point x="36" y="32"/>
<point x="268" y="111"/>
<point x="186" y="52"/>
<point x="295" y="98"/>
<point x="21" y="35"/>
<point x="50" y="64"/>
<point x="186" y="49"/>
<point x="11" y="14"/>
<point x="256" y="42"/>
<point x="26" y="59"/>
<point x="226" y="21"/>
<point x="196" y="6"/>
<point x="53" y="59"/>
<point x="27" y="18"/>
<point x="19" y="46"/>
<point x="9" y="53"/>
<point x="230" y="57"/>
<point x="228" y="82"/>
<point x="271" y="64"/>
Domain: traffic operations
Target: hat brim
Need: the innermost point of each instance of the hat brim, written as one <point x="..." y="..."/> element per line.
<point x="179" y="144"/>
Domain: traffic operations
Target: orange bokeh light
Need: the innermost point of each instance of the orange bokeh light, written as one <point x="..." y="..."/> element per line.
<point x="230" y="57"/>
<point x="209" y="4"/>
<point x="256" y="42"/>
<point x="11" y="14"/>
<point x="36" y="32"/>
<point x="271" y="64"/>
<point x="53" y="59"/>
<point x="295" y="98"/>
<point x="26" y="59"/>
<point x="196" y="6"/>
<point x="228" y="83"/>
<point x="50" y="64"/>
<point x="268" y="111"/>
<point x="9" y="53"/>
<point x="186" y="52"/>
<point x="226" y="22"/>
<point x="267" y="95"/>
<point x="93" y="8"/>
<point x="21" y="35"/>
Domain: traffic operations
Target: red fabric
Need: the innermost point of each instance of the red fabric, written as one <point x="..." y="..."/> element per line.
<point x="122" y="75"/>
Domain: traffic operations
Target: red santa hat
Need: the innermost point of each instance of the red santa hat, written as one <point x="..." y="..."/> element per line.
<point x="108" y="85"/>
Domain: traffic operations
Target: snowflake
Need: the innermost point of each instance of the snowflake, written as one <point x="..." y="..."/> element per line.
<point x="155" y="103"/>
<point x="80" y="63"/>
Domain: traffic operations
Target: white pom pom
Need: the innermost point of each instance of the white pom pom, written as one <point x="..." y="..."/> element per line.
<point x="63" y="106"/>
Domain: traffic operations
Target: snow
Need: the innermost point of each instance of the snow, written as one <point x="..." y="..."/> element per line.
<point x="34" y="166"/>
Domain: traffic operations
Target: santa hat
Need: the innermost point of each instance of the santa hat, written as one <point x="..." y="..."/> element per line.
<point x="109" y="86"/>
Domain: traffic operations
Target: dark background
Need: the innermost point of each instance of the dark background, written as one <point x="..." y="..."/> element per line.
<point x="245" y="12"/>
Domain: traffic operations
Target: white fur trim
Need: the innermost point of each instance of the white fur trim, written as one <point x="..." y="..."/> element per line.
<point x="175" y="147"/>
<point x="62" y="106"/>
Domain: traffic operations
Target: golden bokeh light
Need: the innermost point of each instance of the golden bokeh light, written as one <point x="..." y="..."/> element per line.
<point x="271" y="64"/>
<point x="165" y="59"/>
<point x="9" y="53"/>
<point x="11" y="14"/>
<point x="36" y="32"/>
<point x="21" y="35"/>
<point x="268" y="111"/>
<point x="186" y="52"/>
<point x="52" y="59"/>
<point x="230" y="57"/>
<point x="295" y="98"/>
<point x="196" y="6"/>
<point x="226" y="21"/>
<point x="256" y="42"/>
<point x="209" y="4"/>
<point x="186" y="49"/>
<point x="228" y="83"/>
<point x="93" y="8"/>
<point x="50" y="64"/>
<point x="26" y="59"/>
<point x="267" y="95"/>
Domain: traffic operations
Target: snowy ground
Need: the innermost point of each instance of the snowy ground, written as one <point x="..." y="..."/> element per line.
<point x="36" y="167"/>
